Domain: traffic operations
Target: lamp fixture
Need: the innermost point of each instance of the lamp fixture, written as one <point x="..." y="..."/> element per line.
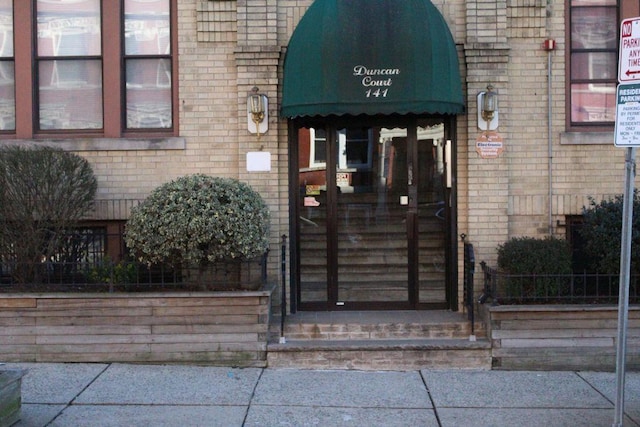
<point x="488" y="109"/>
<point x="257" y="112"/>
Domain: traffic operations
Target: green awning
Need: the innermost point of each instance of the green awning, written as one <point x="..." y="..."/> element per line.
<point x="371" y="57"/>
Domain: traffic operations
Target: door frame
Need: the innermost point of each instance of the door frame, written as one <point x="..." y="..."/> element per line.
<point x="331" y="124"/>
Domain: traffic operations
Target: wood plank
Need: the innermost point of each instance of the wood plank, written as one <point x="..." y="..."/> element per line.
<point x="17" y="330"/>
<point x="556" y="308"/>
<point x="569" y="315"/>
<point x="93" y="348"/>
<point x="552" y="352"/>
<point x="88" y="357"/>
<point x="556" y="324"/>
<point x="557" y="342"/>
<point x="96" y="312"/>
<point x="249" y="359"/>
<point x="599" y="363"/>
<point x="93" y="339"/>
<point x="560" y="333"/>
<point x="208" y="328"/>
<point x="93" y="321"/>
<point x="94" y="303"/>
<point x="205" y="338"/>
<point x="18" y="339"/>
<point x="15" y="349"/>
<point x="142" y="301"/>
<point x="17" y="303"/>
<point x="17" y="320"/>
<point x="199" y="311"/>
<point x="95" y="330"/>
<point x="210" y="301"/>
<point x="195" y="347"/>
<point x="219" y="358"/>
<point x="147" y="320"/>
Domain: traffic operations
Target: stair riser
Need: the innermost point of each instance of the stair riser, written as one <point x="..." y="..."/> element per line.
<point x="382" y="360"/>
<point x="374" y="332"/>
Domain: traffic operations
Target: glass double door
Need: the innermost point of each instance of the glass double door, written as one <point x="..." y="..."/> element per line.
<point x="372" y="222"/>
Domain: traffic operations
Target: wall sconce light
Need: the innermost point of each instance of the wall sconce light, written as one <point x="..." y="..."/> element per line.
<point x="257" y="112"/>
<point x="488" y="109"/>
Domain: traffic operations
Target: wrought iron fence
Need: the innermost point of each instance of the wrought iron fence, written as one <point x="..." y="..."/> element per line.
<point x="91" y="260"/>
<point x="584" y="288"/>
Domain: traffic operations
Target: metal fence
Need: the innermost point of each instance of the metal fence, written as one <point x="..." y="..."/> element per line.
<point x="584" y="288"/>
<point x="92" y="260"/>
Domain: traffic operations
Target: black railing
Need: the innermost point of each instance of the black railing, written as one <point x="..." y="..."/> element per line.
<point x="583" y="288"/>
<point x="283" y="289"/>
<point x="469" y="273"/>
<point x="130" y="276"/>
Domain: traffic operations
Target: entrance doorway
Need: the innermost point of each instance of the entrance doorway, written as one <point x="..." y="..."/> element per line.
<point x="373" y="204"/>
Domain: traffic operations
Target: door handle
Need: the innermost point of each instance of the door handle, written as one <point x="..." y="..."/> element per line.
<point x="447" y="160"/>
<point x="410" y="174"/>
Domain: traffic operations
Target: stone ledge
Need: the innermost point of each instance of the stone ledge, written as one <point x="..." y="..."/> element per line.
<point x="104" y="144"/>
<point x="10" y="395"/>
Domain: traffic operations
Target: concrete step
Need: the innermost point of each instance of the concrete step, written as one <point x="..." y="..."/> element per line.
<point x="378" y="340"/>
<point x="376" y="325"/>
<point x="381" y="354"/>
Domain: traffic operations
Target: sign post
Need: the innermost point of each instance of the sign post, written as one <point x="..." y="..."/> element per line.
<point x="627" y="134"/>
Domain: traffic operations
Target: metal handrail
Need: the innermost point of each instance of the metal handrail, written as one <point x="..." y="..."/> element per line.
<point x="283" y="290"/>
<point x="469" y="272"/>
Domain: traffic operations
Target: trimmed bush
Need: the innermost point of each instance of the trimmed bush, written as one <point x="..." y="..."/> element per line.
<point x="197" y="220"/>
<point x="602" y="231"/>
<point x="530" y="262"/>
<point x="528" y="255"/>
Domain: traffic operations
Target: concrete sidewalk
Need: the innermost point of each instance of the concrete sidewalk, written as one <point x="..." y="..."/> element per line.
<point x="99" y="395"/>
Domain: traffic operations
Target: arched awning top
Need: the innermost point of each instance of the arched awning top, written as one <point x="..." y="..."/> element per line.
<point x="354" y="57"/>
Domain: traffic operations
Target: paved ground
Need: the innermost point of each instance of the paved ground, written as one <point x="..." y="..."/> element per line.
<point x="100" y="395"/>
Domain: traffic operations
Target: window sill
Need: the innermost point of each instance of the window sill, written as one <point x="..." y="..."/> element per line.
<point x="586" y="138"/>
<point x="104" y="144"/>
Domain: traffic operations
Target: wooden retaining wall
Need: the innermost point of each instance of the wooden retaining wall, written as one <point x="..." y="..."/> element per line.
<point x="560" y="337"/>
<point x="216" y="328"/>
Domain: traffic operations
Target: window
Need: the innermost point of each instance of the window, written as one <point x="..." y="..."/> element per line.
<point x="355" y="147"/>
<point x="318" y="151"/>
<point x="98" y="67"/>
<point x="592" y="78"/>
<point x="147" y="36"/>
<point x="69" y="65"/>
<point x="7" y="75"/>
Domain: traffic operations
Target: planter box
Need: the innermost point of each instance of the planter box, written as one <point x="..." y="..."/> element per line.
<point x="10" y="396"/>
<point x="215" y="328"/>
<point x="560" y="337"/>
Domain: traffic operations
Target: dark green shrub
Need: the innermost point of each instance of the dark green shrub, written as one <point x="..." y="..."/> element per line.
<point x="112" y="273"/>
<point x="602" y="230"/>
<point x="197" y="220"/>
<point x="44" y="192"/>
<point x="535" y="267"/>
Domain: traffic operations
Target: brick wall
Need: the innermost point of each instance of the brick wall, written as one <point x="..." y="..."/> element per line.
<point x="499" y="42"/>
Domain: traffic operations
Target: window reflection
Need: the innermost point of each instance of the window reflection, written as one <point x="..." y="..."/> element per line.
<point x="593" y="61"/>
<point x="147" y="34"/>
<point x="7" y="66"/>
<point x="69" y="64"/>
